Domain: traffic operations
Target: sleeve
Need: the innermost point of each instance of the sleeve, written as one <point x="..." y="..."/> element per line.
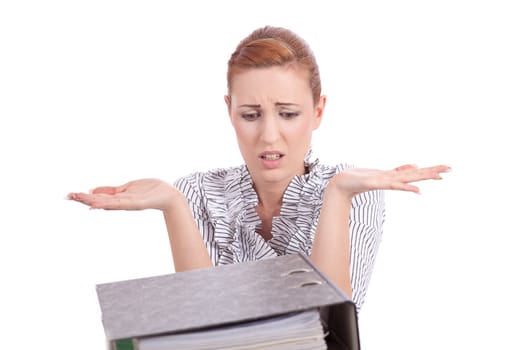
<point x="191" y="188"/>
<point x="366" y="229"/>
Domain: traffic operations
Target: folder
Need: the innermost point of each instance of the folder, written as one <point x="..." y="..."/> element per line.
<point x="226" y="295"/>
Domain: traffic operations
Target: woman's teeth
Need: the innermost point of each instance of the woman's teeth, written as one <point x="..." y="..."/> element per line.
<point x="271" y="156"/>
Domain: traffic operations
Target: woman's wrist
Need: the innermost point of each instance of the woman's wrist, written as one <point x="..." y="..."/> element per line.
<point x="175" y="200"/>
<point x="336" y="188"/>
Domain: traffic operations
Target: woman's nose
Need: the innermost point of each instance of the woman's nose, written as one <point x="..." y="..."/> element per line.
<point x="270" y="132"/>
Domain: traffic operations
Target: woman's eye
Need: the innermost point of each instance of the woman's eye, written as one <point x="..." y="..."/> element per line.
<point x="250" y="116"/>
<point x="289" y="115"/>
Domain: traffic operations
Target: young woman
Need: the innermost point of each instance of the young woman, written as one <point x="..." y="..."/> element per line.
<point x="280" y="201"/>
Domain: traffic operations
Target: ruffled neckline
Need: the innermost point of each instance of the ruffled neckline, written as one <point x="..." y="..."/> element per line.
<point x="292" y="228"/>
<point x="235" y="218"/>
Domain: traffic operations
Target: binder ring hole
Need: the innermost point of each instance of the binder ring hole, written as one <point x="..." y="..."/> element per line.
<point x="296" y="271"/>
<point x="310" y="283"/>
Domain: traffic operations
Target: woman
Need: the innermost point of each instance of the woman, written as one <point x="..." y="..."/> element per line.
<point x="279" y="201"/>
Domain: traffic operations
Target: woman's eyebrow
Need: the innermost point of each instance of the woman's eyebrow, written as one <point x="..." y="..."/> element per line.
<point x="250" y="106"/>
<point x="285" y="104"/>
<point x="278" y="104"/>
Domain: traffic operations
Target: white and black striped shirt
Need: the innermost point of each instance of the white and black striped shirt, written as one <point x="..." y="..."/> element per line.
<point x="223" y="202"/>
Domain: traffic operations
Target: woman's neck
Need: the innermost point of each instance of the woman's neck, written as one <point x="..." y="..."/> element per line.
<point x="270" y="193"/>
<point x="270" y="196"/>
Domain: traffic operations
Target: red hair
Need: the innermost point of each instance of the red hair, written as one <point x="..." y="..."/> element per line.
<point x="274" y="46"/>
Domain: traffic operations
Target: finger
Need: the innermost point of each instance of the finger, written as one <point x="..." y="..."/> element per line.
<point x="104" y="190"/>
<point x="406" y="167"/>
<point x="442" y="168"/>
<point x="107" y="204"/>
<point x="435" y="172"/>
<point x="91" y="201"/>
<point x="411" y="188"/>
<point x="80" y="197"/>
<point x="115" y="203"/>
<point x="416" y="177"/>
<point x="75" y="196"/>
<point x="421" y="174"/>
<point x="402" y="186"/>
<point x="437" y="169"/>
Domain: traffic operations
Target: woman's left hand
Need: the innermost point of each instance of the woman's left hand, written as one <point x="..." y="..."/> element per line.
<point x="356" y="180"/>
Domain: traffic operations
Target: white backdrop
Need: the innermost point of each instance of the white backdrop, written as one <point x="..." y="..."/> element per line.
<point x="102" y="92"/>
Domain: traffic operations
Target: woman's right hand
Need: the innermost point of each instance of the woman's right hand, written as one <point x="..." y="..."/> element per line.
<point x="135" y="195"/>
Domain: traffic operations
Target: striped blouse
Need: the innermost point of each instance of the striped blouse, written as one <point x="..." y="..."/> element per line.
<point x="223" y="202"/>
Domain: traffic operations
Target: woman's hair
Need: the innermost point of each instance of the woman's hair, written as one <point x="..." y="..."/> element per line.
<point x="274" y="46"/>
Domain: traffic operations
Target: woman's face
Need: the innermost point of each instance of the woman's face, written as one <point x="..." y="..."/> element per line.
<point x="273" y="114"/>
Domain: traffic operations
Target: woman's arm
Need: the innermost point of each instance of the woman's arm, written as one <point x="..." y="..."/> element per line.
<point x="331" y="246"/>
<point x="330" y="250"/>
<point x="187" y="247"/>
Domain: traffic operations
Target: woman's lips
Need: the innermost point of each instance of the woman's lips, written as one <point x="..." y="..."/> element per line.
<point x="271" y="160"/>
<point x="273" y="156"/>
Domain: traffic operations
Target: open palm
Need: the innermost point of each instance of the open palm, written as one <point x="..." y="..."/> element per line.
<point x="134" y="195"/>
<point x="356" y="180"/>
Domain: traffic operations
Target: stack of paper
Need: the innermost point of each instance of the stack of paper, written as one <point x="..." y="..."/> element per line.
<point x="298" y="331"/>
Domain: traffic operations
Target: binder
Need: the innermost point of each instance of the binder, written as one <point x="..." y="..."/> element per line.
<point x="226" y="295"/>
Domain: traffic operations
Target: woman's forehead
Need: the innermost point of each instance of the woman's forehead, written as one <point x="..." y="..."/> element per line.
<point x="270" y="85"/>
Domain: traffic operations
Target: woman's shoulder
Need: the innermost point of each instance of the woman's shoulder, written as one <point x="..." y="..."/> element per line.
<point x="214" y="179"/>
<point x="322" y="170"/>
<point x="216" y="173"/>
<point x="325" y="171"/>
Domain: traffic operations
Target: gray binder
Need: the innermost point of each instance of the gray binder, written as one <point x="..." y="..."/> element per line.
<point x="226" y="295"/>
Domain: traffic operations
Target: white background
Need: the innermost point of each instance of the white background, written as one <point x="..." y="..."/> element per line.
<point x="102" y="92"/>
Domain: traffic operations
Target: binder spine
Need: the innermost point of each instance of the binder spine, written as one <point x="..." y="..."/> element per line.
<point x="124" y="344"/>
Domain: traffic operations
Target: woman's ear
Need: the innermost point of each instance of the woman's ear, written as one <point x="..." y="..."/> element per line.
<point x="228" y="101"/>
<point x="319" y="111"/>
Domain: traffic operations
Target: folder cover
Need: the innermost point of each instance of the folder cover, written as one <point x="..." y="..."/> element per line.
<point x="226" y="295"/>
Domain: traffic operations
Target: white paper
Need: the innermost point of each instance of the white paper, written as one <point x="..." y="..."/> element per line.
<point x="299" y="331"/>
